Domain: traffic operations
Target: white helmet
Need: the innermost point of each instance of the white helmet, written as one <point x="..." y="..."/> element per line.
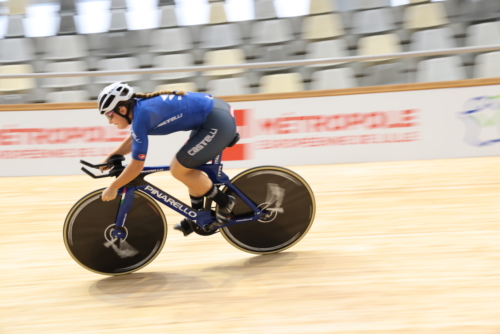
<point x="113" y="94"/>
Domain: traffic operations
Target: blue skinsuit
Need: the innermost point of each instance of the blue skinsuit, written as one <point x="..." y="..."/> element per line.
<point x="165" y="114"/>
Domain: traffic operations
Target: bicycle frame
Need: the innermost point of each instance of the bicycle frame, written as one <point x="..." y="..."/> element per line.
<point x="201" y="218"/>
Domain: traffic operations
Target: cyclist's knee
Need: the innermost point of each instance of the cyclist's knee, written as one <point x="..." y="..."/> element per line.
<point x="179" y="171"/>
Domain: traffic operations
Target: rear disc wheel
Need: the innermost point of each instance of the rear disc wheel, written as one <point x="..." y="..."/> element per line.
<point x="288" y="201"/>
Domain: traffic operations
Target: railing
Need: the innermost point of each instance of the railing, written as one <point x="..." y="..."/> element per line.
<point x="259" y="65"/>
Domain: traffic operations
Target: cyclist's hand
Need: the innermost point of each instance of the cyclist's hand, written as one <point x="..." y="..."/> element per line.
<point x="109" y="194"/>
<point x="103" y="168"/>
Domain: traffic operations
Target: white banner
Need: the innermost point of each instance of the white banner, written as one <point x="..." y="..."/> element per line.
<point x="430" y="124"/>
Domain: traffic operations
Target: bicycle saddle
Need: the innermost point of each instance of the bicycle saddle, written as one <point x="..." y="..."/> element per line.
<point x="235" y="140"/>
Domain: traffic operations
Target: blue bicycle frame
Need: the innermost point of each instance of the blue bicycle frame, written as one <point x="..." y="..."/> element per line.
<point x="201" y="218"/>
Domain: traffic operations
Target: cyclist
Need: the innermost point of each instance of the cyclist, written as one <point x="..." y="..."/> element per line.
<point x="212" y="127"/>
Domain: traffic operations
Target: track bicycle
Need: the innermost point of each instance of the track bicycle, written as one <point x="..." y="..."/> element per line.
<point x="274" y="210"/>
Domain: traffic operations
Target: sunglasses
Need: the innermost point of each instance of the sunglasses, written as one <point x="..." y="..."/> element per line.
<point x="109" y="114"/>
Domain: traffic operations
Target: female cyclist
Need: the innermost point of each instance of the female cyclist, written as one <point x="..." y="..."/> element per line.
<point x="212" y="129"/>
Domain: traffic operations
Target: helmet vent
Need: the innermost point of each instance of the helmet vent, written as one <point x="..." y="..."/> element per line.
<point x="119" y="89"/>
<point x="125" y="92"/>
<point x="108" y="102"/>
<point x="102" y="100"/>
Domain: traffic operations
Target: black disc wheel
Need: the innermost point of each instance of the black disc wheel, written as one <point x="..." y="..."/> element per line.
<point x="288" y="201"/>
<point x="88" y="234"/>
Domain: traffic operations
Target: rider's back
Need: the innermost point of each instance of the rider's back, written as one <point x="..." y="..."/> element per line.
<point x="165" y="114"/>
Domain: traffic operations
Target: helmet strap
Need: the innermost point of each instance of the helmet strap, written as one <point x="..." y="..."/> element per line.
<point x="129" y="112"/>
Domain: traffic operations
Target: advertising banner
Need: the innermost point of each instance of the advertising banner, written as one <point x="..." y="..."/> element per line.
<point x="427" y="124"/>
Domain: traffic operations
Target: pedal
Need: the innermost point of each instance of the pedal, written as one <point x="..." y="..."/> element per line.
<point x="184" y="226"/>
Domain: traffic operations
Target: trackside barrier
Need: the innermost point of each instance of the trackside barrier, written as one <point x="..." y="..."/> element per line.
<point x="404" y="122"/>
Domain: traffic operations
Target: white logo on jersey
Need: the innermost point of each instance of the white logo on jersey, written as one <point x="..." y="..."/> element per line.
<point x="164" y="97"/>
<point x="135" y="137"/>
<point x="176" y="117"/>
<point x="171" y="97"/>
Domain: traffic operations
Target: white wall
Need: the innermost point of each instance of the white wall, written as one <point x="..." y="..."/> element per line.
<point x="430" y="124"/>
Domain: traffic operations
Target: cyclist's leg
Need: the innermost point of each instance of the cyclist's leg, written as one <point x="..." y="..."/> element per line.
<point x="196" y="181"/>
<point x="198" y="184"/>
<point x="205" y="144"/>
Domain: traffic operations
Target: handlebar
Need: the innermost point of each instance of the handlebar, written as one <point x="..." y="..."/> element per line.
<point x="115" y="162"/>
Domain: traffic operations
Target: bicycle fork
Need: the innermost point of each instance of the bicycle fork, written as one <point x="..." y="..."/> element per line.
<point x="116" y="234"/>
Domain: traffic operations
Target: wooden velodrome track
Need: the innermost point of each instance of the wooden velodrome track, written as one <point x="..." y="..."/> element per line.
<point x="396" y="247"/>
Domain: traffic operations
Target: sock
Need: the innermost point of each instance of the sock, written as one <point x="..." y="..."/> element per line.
<point x="197" y="203"/>
<point x="218" y="196"/>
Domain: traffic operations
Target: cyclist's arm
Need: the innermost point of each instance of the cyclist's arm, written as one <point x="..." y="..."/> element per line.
<point x="130" y="172"/>
<point x="137" y="143"/>
<point x="124" y="149"/>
